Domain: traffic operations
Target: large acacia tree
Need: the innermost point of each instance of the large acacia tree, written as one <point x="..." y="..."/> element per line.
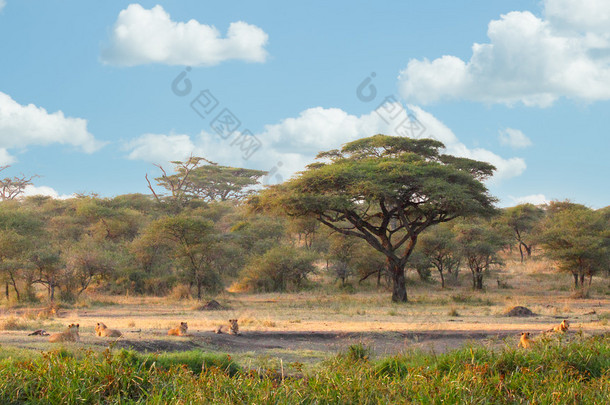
<point x="386" y="190"/>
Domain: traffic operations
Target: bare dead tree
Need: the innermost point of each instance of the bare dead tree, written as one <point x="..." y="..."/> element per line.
<point x="12" y="187"/>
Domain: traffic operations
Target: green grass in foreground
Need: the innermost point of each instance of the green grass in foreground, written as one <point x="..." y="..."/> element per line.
<point x="552" y="373"/>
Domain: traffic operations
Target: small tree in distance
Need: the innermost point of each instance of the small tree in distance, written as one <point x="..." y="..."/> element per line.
<point x="194" y="244"/>
<point x="200" y="179"/>
<point x="439" y="246"/>
<point x="522" y="220"/>
<point x="577" y="238"/>
<point x="13" y="187"/>
<point x="480" y="245"/>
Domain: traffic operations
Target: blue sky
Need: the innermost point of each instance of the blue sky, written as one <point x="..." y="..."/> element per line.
<point x="87" y="100"/>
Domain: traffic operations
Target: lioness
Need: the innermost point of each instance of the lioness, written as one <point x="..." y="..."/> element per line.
<point x="69" y="335"/>
<point x="179" y="330"/>
<point x="562" y="327"/>
<point x="233" y="327"/>
<point x="525" y="340"/>
<point x="102" y="330"/>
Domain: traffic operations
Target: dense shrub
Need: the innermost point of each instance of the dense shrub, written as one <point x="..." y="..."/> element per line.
<point x="282" y="268"/>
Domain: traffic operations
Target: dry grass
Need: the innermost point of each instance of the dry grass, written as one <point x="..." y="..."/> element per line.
<point x="430" y="308"/>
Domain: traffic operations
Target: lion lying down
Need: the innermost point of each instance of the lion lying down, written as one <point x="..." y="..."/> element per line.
<point x="102" y="330"/>
<point x="179" y="330"/>
<point x="69" y="335"/>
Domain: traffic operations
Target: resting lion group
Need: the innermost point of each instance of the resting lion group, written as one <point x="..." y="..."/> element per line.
<point x="71" y="334"/>
<point x="526" y="341"/>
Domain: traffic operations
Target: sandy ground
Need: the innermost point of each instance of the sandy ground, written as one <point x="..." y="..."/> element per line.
<point x="310" y="326"/>
<point x="145" y="330"/>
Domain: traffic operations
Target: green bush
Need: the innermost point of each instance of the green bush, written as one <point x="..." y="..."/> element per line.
<point x="358" y="352"/>
<point x="282" y="268"/>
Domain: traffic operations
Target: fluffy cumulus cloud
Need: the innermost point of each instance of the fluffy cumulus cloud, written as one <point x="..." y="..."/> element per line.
<point x="142" y="36"/>
<point x="158" y="148"/>
<point x="44" y="191"/>
<point x="434" y="128"/>
<point x="514" y="138"/>
<point x="25" y="125"/>
<point x="536" y="199"/>
<point x="292" y="143"/>
<point x="529" y="59"/>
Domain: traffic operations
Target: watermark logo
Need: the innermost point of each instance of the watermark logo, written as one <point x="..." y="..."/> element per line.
<point x="185" y="89"/>
<point x="401" y="121"/>
<point x="225" y="123"/>
<point x="366" y="91"/>
<point x="204" y="103"/>
<point x="248" y="144"/>
<point x="273" y="175"/>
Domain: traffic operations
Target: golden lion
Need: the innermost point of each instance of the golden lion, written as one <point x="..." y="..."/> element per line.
<point x="561" y="328"/>
<point x="525" y="340"/>
<point x="69" y="335"/>
<point x="102" y="330"/>
<point x="233" y="327"/>
<point x="179" y="330"/>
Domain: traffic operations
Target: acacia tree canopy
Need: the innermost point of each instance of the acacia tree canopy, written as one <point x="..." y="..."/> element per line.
<point x="199" y="178"/>
<point x="385" y="190"/>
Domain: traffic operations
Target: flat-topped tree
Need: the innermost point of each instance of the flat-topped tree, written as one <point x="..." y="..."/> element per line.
<point x="199" y="178"/>
<point x="385" y="190"/>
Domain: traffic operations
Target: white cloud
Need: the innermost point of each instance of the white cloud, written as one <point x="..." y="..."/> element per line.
<point x="536" y="199"/>
<point x="2" y="4"/>
<point x="528" y="59"/>
<point x="44" y="191"/>
<point x="6" y="158"/>
<point x="295" y="141"/>
<point x="514" y="138"/>
<point x="505" y="168"/>
<point x="142" y="36"/>
<point x="591" y="16"/>
<point x="25" y="125"/>
<point x="160" y="148"/>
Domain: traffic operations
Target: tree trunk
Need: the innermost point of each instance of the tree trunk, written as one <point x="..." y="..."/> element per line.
<point x="399" y="288"/>
<point x="582" y="279"/>
<point x="575" y="280"/>
<point x="199" y="291"/>
<point x="442" y="279"/>
<point x="477" y="279"/>
<point x="14" y="283"/>
<point x="6" y="292"/>
<point x="528" y="249"/>
<point x="521" y="251"/>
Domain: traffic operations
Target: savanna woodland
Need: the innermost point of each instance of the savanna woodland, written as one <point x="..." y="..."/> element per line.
<point x="376" y="209"/>
<point x="353" y="235"/>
